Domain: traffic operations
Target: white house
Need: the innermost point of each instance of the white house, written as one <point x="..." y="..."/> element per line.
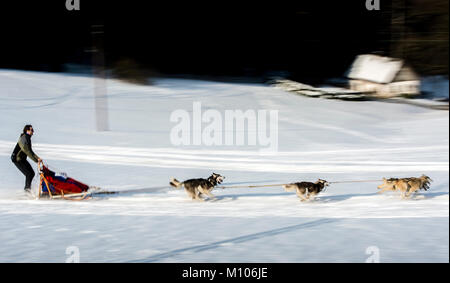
<point x="383" y="76"/>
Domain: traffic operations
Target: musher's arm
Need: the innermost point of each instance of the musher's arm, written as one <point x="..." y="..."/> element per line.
<point x="25" y="146"/>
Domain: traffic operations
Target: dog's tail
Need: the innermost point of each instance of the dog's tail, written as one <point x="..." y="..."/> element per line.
<point x="288" y="187"/>
<point x="175" y="183"/>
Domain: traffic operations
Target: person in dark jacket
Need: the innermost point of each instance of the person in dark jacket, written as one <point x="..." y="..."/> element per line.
<point x="23" y="150"/>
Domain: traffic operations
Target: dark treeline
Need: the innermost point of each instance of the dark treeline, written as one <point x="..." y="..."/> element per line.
<point x="310" y="39"/>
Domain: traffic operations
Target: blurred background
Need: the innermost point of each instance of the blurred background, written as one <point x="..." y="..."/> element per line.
<point x="308" y="40"/>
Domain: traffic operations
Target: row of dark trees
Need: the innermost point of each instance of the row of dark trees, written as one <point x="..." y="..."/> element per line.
<point x="312" y="40"/>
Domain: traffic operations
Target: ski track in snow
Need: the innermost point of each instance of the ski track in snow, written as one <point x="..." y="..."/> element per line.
<point x="235" y="203"/>
<point x="343" y="161"/>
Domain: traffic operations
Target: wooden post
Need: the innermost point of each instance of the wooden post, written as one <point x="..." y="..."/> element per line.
<point x="40" y="180"/>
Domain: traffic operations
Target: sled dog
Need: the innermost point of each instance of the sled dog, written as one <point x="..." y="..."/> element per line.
<point x="306" y="190"/>
<point x="196" y="187"/>
<point x="406" y="186"/>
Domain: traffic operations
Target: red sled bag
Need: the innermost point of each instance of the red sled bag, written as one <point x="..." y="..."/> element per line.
<point x="54" y="184"/>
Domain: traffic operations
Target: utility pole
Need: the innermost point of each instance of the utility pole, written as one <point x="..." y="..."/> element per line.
<point x="398" y="26"/>
<point x="99" y="73"/>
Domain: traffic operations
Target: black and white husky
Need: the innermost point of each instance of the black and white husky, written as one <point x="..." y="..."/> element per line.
<point x="196" y="187"/>
<point x="307" y="190"/>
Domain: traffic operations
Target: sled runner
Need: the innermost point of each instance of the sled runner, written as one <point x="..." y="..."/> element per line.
<point x="55" y="185"/>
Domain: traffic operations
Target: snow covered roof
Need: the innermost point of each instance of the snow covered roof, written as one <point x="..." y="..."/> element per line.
<point x="379" y="69"/>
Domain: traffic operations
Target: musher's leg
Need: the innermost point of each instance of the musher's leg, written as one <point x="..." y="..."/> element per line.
<point x="27" y="170"/>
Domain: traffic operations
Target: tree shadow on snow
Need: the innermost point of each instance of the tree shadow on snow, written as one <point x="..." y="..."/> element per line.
<point x="236" y="240"/>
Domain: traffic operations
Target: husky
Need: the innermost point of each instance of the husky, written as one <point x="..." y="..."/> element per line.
<point x="196" y="187"/>
<point x="306" y="190"/>
<point x="406" y="186"/>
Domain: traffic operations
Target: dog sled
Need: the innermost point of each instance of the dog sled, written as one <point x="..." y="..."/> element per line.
<point x="58" y="186"/>
<point x="54" y="185"/>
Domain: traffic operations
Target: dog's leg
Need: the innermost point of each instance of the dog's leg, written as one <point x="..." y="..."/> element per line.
<point x="211" y="195"/>
<point x="199" y="198"/>
<point x="311" y="196"/>
<point x="403" y="187"/>
<point x="410" y="191"/>
<point x="191" y="194"/>
<point x="198" y="193"/>
<point x="301" y="196"/>
<point x="206" y="192"/>
<point x="403" y="193"/>
<point x="386" y="189"/>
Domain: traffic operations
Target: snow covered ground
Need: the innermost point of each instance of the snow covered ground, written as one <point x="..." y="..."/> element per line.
<point x="317" y="138"/>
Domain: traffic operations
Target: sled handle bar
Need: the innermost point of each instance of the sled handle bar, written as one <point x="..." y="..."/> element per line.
<point x="40" y="165"/>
